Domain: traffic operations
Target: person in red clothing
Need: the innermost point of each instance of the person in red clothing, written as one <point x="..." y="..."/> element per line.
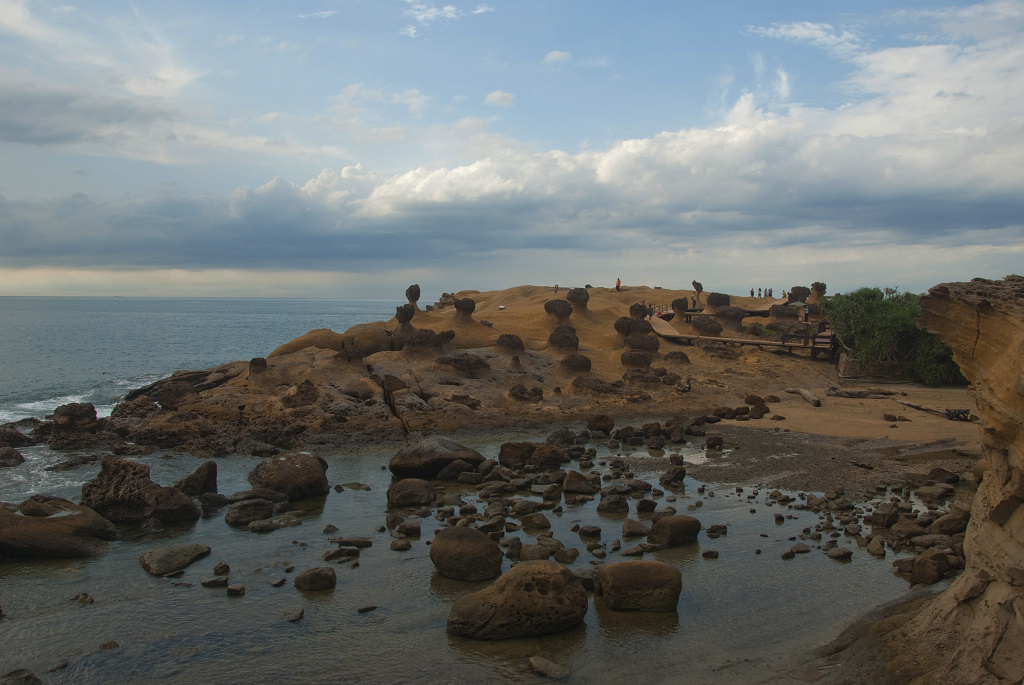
<point x="618" y="285"/>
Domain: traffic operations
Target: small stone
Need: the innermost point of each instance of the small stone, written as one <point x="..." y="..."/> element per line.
<point x="366" y="609"/>
<point x="219" y="581"/>
<point x="236" y="590"/>
<point x="294" y="615"/>
<point x="710" y="554"/>
<point x="840" y="553"/>
<point x="401" y="545"/>
<point x="222" y="569"/>
<point x="548" y="668"/>
<point x="109" y="645"/>
<point x="276" y="582"/>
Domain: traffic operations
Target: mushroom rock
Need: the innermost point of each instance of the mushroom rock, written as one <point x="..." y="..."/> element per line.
<point x="680" y="306"/>
<point x="563" y="339"/>
<point x="65" y="530"/>
<point x="404" y="315"/>
<point x="625" y="325"/>
<point x="974" y="630"/>
<point x="716" y="300"/>
<point x="464" y="309"/>
<point x="297" y="476"/>
<point x="559" y="309"/>
<point x="429" y="456"/>
<point x="576" y="363"/>
<point x="697" y="288"/>
<point x="510" y="343"/>
<point x="817" y="292"/>
<point x="412" y="293"/>
<point x="465" y="553"/>
<point x="257" y="366"/>
<point x="639" y="585"/>
<point x="730" y="317"/>
<point x="637" y="311"/>
<point x="636" y="358"/>
<point x="705" y="325"/>
<point x="799" y="293"/>
<point x="532" y="598"/>
<point x="642" y="341"/>
<point x="578" y="298"/>
<point x="123" y="492"/>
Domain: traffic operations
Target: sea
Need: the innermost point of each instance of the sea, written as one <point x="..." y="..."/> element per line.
<point x="105" y="620"/>
<point x="56" y="350"/>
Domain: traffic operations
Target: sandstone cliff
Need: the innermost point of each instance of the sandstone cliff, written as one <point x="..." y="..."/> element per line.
<point x="974" y="631"/>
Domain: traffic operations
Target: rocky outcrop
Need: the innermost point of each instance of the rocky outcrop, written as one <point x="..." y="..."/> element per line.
<point x="429" y="456"/>
<point x="974" y="631"/>
<point x="799" y="293"/>
<point x="123" y="492"/>
<point x="532" y="598"/>
<point x="297" y="476"/>
<point x="57" y="529"/>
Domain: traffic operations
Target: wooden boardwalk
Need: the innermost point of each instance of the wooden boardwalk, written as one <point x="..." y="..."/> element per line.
<point x="821" y="343"/>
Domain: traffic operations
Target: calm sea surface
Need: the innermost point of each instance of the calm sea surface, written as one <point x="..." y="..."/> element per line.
<point x="735" y="612"/>
<point x="55" y="350"/>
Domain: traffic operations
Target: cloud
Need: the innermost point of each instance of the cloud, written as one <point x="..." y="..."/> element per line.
<point x="426" y="13"/>
<point x="324" y="14"/>
<point x="501" y="99"/>
<point x="841" y="43"/>
<point x="557" y="56"/>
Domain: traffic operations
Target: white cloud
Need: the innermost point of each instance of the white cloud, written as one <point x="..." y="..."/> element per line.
<point x="782" y="89"/>
<point x="500" y="98"/>
<point x="324" y="14"/>
<point x="841" y="43"/>
<point x="556" y="56"/>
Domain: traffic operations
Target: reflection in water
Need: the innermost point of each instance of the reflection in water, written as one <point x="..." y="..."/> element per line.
<point x="632" y="626"/>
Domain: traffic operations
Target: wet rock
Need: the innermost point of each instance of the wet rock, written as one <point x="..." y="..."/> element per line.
<point x="297" y="476"/>
<point x="200" y="481"/>
<point x="674" y="531"/>
<point x="66" y="530"/>
<point x="316" y="578"/>
<point x="10" y="457"/>
<point x="160" y="562"/>
<point x="634" y="529"/>
<point x="410" y="492"/>
<point x="245" y="512"/>
<point x="639" y="585"/>
<point x="294" y="615"/>
<point x="548" y="668"/>
<point x="578" y="483"/>
<point x="840" y="553"/>
<point x="218" y="581"/>
<point x="532" y="598"/>
<point x="613" y="504"/>
<point x="427" y="458"/>
<point x="465" y="553"/>
<point x="123" y="492"/>
<point x="236" y="590"/>
<point x="20" y="676"/>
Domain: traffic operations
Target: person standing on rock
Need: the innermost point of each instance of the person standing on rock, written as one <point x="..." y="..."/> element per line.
<point x="618" y="285"/>
<point x="759" y="293"/>
<point x="751" y="292"/>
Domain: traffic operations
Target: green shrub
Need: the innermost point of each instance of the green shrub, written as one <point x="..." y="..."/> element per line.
<point x="874" y="325"/>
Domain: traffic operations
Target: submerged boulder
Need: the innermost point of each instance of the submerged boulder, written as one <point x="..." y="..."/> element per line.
<point x="160" y="562"/>
<point x="57" y="529"/>
<point x="532" y="598"/>
<point x="639" y="585"/>
<point x="429" y="456"/>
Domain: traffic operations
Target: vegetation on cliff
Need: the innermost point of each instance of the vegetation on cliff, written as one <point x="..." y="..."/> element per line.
<point x="880" y="325"/>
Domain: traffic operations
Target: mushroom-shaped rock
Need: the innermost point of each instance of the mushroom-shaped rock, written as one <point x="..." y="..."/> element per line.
<point x="730" y="317"/>
<point x="532" y="598"/>
<point x="298" y="476"/>
<point x="578" y="298"/>
<point x="171" y="558"/>
<point x="426" y="458"/>
<point x="404" y="315"/>
<point x="697" y="288"/>
<point x="559" y="309"/>
<point x="782" y="312"/>
<point x="123" y="492"/>
<point x="410" y="492"/>
<point x="642" y="341"/>
<point x="510" y="343"/>
<point x="626" y="325"/>
<point x="817" y="292"/>
<point x="639" y="585"/>
<point x="563" y="339"/>
<point x="674" y="531"/>
<point x="576" y="363"/>
<point x="637" y="311"/>
<point x="680" y="306"/>
<point x="412" y="293"/>
<point x="464" y="309"/>
<point x="799" y="293"/>
<point x="316" y="578"/>
<point x="705" y="325"/>
<point x="716" y="300"/>
<point x="65" y="530"/>
<point x="636" y="358"/>
<point x="465" y="553"/>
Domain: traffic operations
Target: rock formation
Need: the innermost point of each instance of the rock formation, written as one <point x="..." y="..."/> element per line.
<point x="799" y="293"/>
<point x="817" y="292"/>
<point x="465" y="553"/>
<point x="698" y="288"/>
<point x="716" y="300"/>
<point x="578" y="298"/>
<point x="412" y="293"/>
<point x="559" y="310"/>
<point x="730" y="317"/>
<point x="974" y="631"/>
<point x="464" y="309"/>
<point x="123" y="492"/>
<point x="56" y="528"/>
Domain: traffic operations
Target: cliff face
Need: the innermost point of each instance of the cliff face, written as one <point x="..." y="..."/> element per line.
<point x="974" y="631"/>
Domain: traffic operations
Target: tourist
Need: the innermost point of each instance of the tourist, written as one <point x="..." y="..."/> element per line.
<point x="751" y="292"/>
<point x="758" y="293"/>
<point x="618" y="285"/>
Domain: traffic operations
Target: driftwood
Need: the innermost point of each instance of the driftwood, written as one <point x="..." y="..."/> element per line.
<point x="806" y="394"/>
<point x="951" y="414"/>
<point x="856" y="394"/>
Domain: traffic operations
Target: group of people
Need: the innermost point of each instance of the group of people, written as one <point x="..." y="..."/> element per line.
<point x="767" y="292"/>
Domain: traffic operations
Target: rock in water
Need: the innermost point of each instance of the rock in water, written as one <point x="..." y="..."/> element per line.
<point x="639" y="585"/>
<point x="317" y="578"/>
<point x="548" y="668"/>
<point x="299" y="476"/>
<point x="429" y="456"/>
<point x="674" y="531"/>
<point x="465" y="554"/>
<point x="73" y="531"/>
<point x="531" y="598"/>
<point x="123" y="492"/>
<point x="172" y="558"/>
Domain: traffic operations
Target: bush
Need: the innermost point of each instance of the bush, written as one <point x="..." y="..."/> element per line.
<point x="874" y="325"/>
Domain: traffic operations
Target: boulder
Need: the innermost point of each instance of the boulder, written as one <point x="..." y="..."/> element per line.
<point x="578" y="483"/>
<point x="465" y="553"/>
<point x="122" y="492"/>
<point x="200" y="481"/>
<point x="429" y="456"/>
<point x="72" y="531"/>
<point x="559" y="309"/>
<point x="160" y="562"/>
<point x="532" y="598"/>
<point x="317" y="578"/>
<point x="10" y="457"/>
<point x="298" y="476"/>
<point x="674" y="531"/>
<point x="578" y="298"/>
<point x="248" y="510"/>
<point x="639" y="585"/>
<point x="410" y="492"/>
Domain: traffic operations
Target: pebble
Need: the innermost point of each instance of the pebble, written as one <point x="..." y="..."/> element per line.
<point x="236" y="590"/>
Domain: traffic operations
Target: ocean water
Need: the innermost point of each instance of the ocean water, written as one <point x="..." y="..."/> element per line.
<point x="55" y="350"/>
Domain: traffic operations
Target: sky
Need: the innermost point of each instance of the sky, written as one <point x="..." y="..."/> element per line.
<point x="350" y="148"/>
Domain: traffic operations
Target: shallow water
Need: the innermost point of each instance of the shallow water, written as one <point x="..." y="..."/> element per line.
<point x="739" y="606"/>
